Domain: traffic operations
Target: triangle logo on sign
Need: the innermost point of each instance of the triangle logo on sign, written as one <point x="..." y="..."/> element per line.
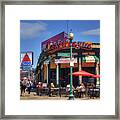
<point x="26" y="58"/>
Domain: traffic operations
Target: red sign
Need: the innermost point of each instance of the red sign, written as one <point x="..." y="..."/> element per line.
<point x="66" y="45"/>
<point x="60" y="42"/>
<point x="90" y="64"/>
<point x="26" y="58"/>
<point x="53" y="40"/>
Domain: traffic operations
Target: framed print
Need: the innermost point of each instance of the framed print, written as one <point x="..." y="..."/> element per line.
<point x="60" y="59"/>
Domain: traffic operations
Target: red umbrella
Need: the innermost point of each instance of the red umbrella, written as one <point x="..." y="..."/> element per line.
<point x="96" y="76"/>
<point x="82" y="73"/>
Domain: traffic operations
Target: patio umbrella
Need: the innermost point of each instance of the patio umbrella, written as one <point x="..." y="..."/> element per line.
<point x="96" y="76"/>
<point x="82" y="73"/>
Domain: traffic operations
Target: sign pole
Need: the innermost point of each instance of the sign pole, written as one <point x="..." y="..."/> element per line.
<point x="57" y="73"/>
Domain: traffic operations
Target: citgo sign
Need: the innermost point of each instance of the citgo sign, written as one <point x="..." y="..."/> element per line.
<point x="26" y="59"/>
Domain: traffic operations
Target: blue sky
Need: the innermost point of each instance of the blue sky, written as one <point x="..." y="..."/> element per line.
<point x="33" y="32"/>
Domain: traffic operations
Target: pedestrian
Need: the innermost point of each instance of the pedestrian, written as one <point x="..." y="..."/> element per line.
<point x="78" y="91"/>
<point x="22" y="87"/>
<point x="82" y="87"/>
<point x="68" y="89"/>
<point x="52" y="86"/>
<point x="39" y="88"/>
<point x="92" y="90"/>
<point x="29" y="86"/>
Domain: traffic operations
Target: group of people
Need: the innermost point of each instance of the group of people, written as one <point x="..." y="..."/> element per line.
<point x="80" y="91"/>
<point x="25" y="85"/>
<point x="42" y="88"/>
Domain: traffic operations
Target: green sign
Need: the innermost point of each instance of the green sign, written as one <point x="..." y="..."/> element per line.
<point x="64" y="54"/>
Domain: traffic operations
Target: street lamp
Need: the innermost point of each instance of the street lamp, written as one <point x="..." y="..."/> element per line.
<point x="70" y="37"/>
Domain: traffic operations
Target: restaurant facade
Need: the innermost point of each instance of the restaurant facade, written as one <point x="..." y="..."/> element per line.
<point x="54" y="61"/>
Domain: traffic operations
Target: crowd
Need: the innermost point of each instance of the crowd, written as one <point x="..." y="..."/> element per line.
<point x="30" y="86"/>
<point x="42" y="88"/>
<point x="26" y="85"/>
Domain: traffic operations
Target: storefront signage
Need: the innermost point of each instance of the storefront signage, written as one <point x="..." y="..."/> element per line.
<point x="53" y="41"/>
<point x="65" y="60"/>
<point x="72" y="63"/>
<point x="56" y="46"/>
<point x="84" y="64"/>
<point x="66" y="54"/>
<point x="90" y="59"/>
<point x="60" y="41"/>
<point x="88" y="53"/>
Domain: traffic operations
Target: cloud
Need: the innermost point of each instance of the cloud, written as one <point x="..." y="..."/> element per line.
<point x="32" y="29"/>
<point x="94" y="32"/>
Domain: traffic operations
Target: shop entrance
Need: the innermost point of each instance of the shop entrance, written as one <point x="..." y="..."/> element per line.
<point x="88" y="80"/>
<point x="65" y="77"/>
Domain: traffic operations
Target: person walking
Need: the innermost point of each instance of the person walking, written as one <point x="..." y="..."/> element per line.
<point x="29" y="86"/>
<point x="22" y="87"/>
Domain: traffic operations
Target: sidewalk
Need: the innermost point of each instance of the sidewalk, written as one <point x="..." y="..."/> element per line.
<point x="33" y="96"/>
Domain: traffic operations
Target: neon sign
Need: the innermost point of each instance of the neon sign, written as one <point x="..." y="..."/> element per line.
<point x="60" y="42"/>
<point x="66" y="45"/>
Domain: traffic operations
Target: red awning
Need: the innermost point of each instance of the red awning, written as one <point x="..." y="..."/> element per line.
<point x="96" y="76"/>
<point x="82" y="73"/>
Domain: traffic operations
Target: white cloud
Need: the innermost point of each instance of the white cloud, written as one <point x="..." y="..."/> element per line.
<point x="92" y="32"/>
<point x="32" y="29"/>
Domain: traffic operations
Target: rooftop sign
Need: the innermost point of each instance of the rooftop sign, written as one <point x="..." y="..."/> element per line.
<point x="60" y="42"/>
<point x="26" y="58"/>
<point x="46" y="45"/>
<point x="66" y="45"/>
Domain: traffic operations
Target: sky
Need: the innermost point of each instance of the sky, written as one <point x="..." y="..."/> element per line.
<point x="33" y="32"/>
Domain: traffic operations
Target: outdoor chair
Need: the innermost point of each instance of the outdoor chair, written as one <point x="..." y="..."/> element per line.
<point x="45" y="91"/>
<point x="54" y="91"/>
<point x="94" y="93"/>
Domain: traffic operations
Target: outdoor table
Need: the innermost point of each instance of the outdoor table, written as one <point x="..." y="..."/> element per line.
<point x="55" y="91"/>
<point x="62" y="91"/>
<point x="45" y="91"/>
<point x="76" y="93"/>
